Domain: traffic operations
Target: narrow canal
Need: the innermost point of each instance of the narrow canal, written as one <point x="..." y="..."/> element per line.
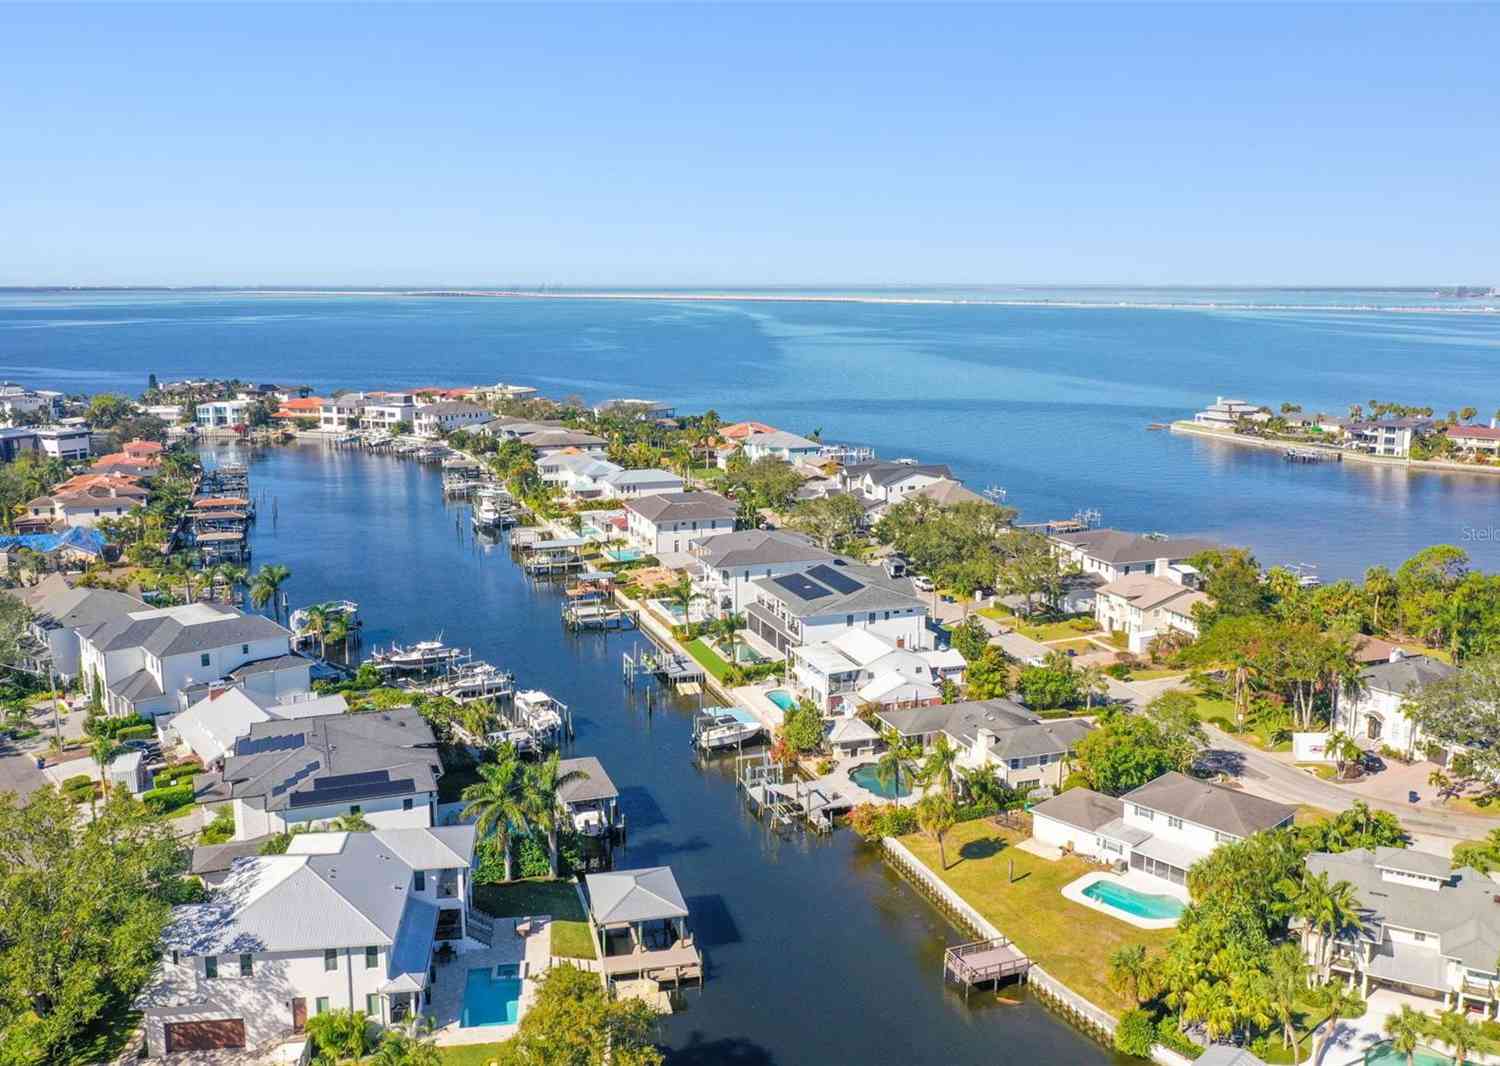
<point x="818" y="954"/>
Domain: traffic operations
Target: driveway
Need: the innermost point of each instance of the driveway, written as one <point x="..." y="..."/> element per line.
<point x="18" y="772"/>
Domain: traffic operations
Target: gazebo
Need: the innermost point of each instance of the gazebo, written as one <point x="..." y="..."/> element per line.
<point x="852" y="736"/>
<point x="640" y="925"/>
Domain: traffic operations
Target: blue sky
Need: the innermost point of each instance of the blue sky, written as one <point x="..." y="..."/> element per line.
<point x="766" y="144"/>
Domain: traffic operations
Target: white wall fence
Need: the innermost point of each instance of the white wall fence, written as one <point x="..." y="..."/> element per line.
<point x="1088" y="1016"/>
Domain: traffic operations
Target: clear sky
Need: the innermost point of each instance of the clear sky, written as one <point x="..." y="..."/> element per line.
<point x="765" y="144"/>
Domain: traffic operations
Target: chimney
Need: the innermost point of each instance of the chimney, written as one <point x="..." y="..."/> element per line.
<point x="1163" y="568"/>
<point x="984" y="742"/>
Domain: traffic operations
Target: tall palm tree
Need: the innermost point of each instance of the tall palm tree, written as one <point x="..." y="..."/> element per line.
<point x="337" y="633"/>
<point x="317" y="623"/>
<point x="1092" y="682"/>
<point x="1287" y="984"/>
<point x="935" y="816"/>
<point x="541" y="783"/>
<point x="898" y="752"/>
<point x="495" y="801"/>
<point x="1460" y="1034"/>
<point x="1339" y="1001"/>
<point x="1130" y="971"/>
<point x="1406" y="1030"/>
<point x="1330" y="908"/>
<point x="266" y="588"/>
<point x="938" y="766"/>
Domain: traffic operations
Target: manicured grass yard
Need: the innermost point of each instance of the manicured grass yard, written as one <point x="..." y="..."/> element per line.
<point x="707" y="658"/>
<point x="1073" y="942"/>
<point x="1081" y="646"/>
<point x="468" y="1054"/>
<point x="571" y="937"/>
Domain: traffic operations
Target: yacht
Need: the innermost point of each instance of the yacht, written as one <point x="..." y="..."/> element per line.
<point x="423" y="655"/>
<point x="724" y="728"/>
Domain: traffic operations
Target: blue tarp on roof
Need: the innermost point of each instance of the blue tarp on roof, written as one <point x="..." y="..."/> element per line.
<point x="75" y="538"/>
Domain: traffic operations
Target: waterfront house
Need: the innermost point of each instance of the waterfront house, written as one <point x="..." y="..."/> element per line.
<point x="386" y="412"/>
<point x="778" y="444"/>
<point x="68" y="443"/>
<point x="639" y="921"/>
<point x="212" y="725"/>
<point x="1225" y="413"/>
<point x="222" y="414"/>
<point x="738" y="431"/>
<point x="1161" y="828"/>
<point x="728" y="564"/>
<point x="342" y="921"/>
<point x="59" y="611"/>
<point x="340" y="414"/>
<point x="629" y="484"/>
<point x="1476" y="440"/>
<point x="297" y="409"/>
<point x="508" y="427"/>
<point x="19" y="400"/>
<point x="303" y="772"/>
<point x="576" y="473"/>
<point x="501" y="391"/>
<point x="445" y="416"/>
<point x="544" y="442"/>
<point x="1389" y="437"/>
<point x="674" y="521"/>
<point x="859" y="667"/>
<point x="825" y="600"/>
<point x="1025" y="752"/>
<point x="1113" y="554"/>
<point x="1372" y="710"/>
<point x="142" y="661"/>
<point x="890" y="482"/>
<point x="946" y="492"/>
<point x="85" y="504"/>
<point x="591" y="803"/>
<point x="1143" y="607"/>
<point x="1424" y="929"/>
<point x="641" y="410"/>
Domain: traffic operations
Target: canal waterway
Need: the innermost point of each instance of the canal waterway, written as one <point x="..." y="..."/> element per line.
<point x="818" y="953"/>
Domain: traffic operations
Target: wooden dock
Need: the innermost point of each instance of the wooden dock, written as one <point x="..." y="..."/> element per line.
<point x="984" y="961"/>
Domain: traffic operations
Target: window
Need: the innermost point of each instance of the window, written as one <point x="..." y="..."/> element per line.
<point x="1030" y="782"/>
<point x="354" y="808"/>
<point x="203" y="660"/>
<point x="372" y="1005"/>
<point x="175" y="958"/>
<point x="420" y="880"/>
<point x="330" y="960"/>
<point x="1224" y="838"/>
<point x="244" y="649"/>
<point x="406" y="804"/>
<point x="1144" y="812"/>
<point x="320" y="1005"/>
<point x="1174" y="822"/>
<point x="247" y="965"/>
<point x="210" y="966"/>
<point x="372" y="958"/>
<point x="1419" y="937"/>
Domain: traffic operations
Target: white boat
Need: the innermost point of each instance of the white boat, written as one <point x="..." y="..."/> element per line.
<point x="540" y="712"/>
<point x="724" y="728"/>
<point x="475" y="681"/>
<point x="348" y="610"/>
<point x="521" y="739"/>
<point x="423" y="655"/>
<point x="488" y="513"/>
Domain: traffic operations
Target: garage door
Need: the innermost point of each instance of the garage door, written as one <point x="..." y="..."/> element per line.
<point x="201" y="1036"/>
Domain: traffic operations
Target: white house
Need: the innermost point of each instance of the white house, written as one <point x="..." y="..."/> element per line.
<point x="1023" y="750"/>
<point x="1482" y="440"/>
<point x="385" y="411"/>
<point x="309" y="771"/>
<point x="674" y="521"/>
<point x="143" y="660"/>
<point x="1113" y="554"/>
<point x="18" y="400"/>
<point x="86" y="504"/>
<point x="860" y="667"/>
<point x="891" y="482"/>
<point x="222" y="414"/>
<point x="576" y="473"/>
<point x="1423" y="928"/>
<point x="342" y="921"/>
<point x="629" y="484"/>
<point x="778" y="444"/>
<point x="822" y="602"/>
<point x="1224" y="412"/>
<point x="1373" y="711"/>
<point x="445" y="416"/>
<point x="728" y="564"/>
<point x="59" y="611"/>
<point x="211" y="726"/>
<point x="339" y="414"/>
<point x="1143" y="607"/>
<point x="1161" y="828"/>
<point x="67" y="443"/>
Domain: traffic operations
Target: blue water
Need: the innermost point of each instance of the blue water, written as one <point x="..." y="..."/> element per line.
<point x="491" y="1000"/>
<point x="867" y="777"/>
<point x="1048" y="402"/>
<point x="782" y="698"/>
<point x="1140" y="904"/>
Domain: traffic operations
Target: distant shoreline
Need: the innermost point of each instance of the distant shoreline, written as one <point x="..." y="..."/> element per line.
<point x="1418" y="466"/>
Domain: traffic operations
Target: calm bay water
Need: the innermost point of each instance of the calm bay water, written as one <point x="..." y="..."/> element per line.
<point x="1048" y="402"/>
<point x="818" y="954"/>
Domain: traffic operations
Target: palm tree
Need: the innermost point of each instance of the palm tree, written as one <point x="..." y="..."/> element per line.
<point x="353" y="822"/>
<point x="266" y="588"/>
<point x="898" y="752"/>
<point x="1406" y="1030"/>
<point x="1092" y="681"/>
<point x="317" y="626"/>
<point x="1339" y="1001"/>
<point x="337" y="632"/>
<point x="495" y="801"/>
<point x="939" y="765"/>
<point x="1460" y="1034"/>
<point x="540" y="786"/>
<point x="399" y="1048"/>
<point x="1330" y="909"/>
<point x="935" y="816"/>
<point x="1287" y="975"/>
<point x="1131" y="971"/>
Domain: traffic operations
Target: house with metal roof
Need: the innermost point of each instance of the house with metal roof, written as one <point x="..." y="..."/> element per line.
<point x="591" y="802"/>
<point x="1423" y="927"/>
<point x="283" y="773"/>
<point x="628" y="484"/>
<point x="1025" y="751"/>
<point x="779" y="444"/>
<point x="1160" y="829"/>
<point x="819" y="603"/>
<point x="639" y="919"/>
<point x="212" y="725"/>
<point x="1372" y="711"/>
<point x="859" y="667"/>
<point x="727" y="564"/>
<point x="143" y="661"/>
<point x="342" y="921"/>
<point x="675" y="521"/>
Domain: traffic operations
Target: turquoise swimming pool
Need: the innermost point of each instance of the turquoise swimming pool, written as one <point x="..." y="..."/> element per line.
<point x="1137" y="904"/>
<point x="491" y="1000"/>
<point x="867" y="777"/>
<point x="782" y="698"/>
<point x="624" y="555"/>
<point x="1382" y="1055"/>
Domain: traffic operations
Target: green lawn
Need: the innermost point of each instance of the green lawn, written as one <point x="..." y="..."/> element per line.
<point x="707" y="658"/>
<point x="468" y="1054"/>
<point x="1155" y="674"/>
<point x="571" y="937"/>
<point x="1080" y="645"/>
<point x="1070" y="940"/>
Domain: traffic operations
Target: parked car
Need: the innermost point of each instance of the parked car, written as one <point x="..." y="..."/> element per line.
<point x="921" y="583"/>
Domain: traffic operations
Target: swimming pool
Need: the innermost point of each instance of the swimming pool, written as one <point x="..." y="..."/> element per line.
<point x="1383" y="1055"/>
<point x="1138" y="904"/>
<point x="782" y="698"/>
<point x="491" y="1000"/>
<point x="624" y="555"/>
<point x="867" y="777"/>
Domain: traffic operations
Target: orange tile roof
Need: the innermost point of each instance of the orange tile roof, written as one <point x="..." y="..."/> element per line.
<point x="741" y="430"/>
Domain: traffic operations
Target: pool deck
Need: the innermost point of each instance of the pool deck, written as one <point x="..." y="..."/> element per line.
<point x="446" y="1009"/>
<point x="1153" y="886"/>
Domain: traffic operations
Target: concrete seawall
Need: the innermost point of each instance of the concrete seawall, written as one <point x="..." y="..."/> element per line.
<point x="1418" y="466"/>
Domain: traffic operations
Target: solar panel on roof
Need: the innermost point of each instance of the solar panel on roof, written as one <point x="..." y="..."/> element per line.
<point x="799" y="585"/>
<point x="370" y="790"/>
<point x="291" y="782"/>
<point x="364" y="777"/>
<point x="261" y="745"/>
<point x="833" y="579"/>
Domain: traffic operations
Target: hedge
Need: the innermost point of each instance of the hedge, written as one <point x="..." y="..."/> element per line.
<point x="112" y="727"/>
<point x="77" y="782"/>
<point x="173" y="774"/>
<point x="136" y="732"/>
<point x="170" y="798"/>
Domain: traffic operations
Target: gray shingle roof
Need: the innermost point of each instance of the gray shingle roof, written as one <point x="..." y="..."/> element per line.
<point x="761" y="547"/>
<point x="1018" y="732"/>
<point x="77" y="608"/>
<point x="451" y="407"/>
<point x="1413" y="673"/>
<point x="137" y="686"/>
<point x="595" y="786"/>
<point x="780" y="438"/>
<point x="683" y="507"/>
<point x="1218" y="808"/>
<point x="181" y="630"/>
<point x="890" y="473"/>
<point x="560" y="438"/>
<point x="1116" y="547"/>
<point x="1082" y="807"/>
<point x="266" y="666"/>
<point x="852" y="588"/>
<point x="1225" y="1055"/>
